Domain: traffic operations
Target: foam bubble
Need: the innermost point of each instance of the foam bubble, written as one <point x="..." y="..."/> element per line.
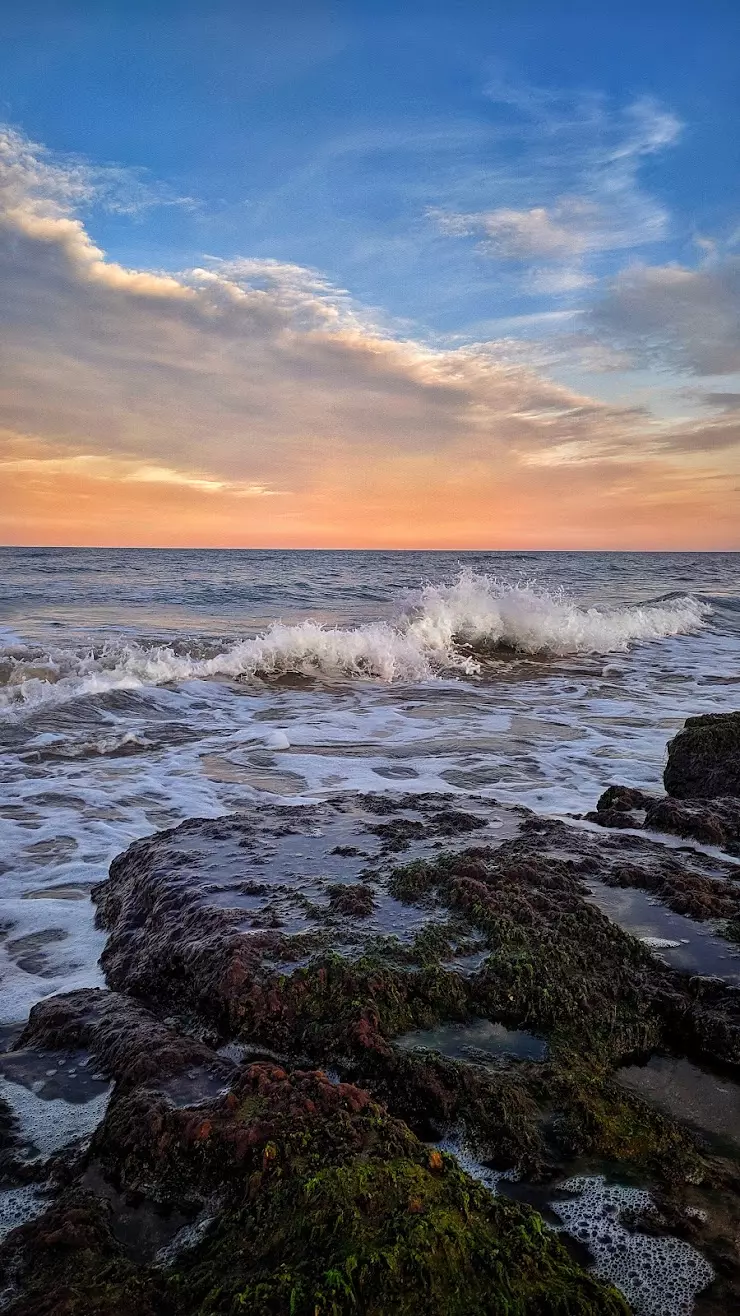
<point x="463" y="1153"/>
<point x="186" y="1238"/>
<point x="47" y="1126"/>
<point x="659" y="1276"/>
<point x="18" y="1205"/>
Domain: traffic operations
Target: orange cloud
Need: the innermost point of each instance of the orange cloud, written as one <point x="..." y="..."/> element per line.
<point x="251" y="404"/>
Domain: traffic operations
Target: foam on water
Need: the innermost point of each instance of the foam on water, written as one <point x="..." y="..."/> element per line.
<point x="19" y="1205"/>
<point x="458" y="1146"/>
<point x="659" y="1276"/>
<point x="47" y="1126"/>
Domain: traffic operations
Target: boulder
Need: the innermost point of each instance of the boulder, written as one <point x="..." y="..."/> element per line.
<point x="704" y="758"/>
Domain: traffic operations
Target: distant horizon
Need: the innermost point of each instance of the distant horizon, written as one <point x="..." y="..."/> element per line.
<point x="319" y="548"/>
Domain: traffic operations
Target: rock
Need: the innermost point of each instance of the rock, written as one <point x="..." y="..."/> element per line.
<point x="687" y="881"/>
<point x="68" y="1263"/>
<point x="128" y="1042"/>
<point x="714" y="823"/>
<point x="302" y="1181"/>
<point x="704" y="758"/>
<point x="325" y="1204"/>
<point x="215" y="915"/>
<point x="333" y="971"/>
<point x="617" y="817"/>
<point x="351" y="899"/>
<point x="620" y="799"/>
<point x="711" y="822"/>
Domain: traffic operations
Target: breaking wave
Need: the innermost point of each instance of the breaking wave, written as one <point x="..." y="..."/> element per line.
<point x="451" y="629"/>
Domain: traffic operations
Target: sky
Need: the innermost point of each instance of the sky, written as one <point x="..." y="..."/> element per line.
<point x="444" y="275"/>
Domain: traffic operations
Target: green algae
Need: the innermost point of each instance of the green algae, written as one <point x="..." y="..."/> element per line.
<point x="328" y="1205"/>
<point x="390" y="1237"/>
<point x="555" y="965"/>
<point x="328" y="1202"/>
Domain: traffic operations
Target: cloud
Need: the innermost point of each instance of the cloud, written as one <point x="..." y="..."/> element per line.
<point x="712" y="435"/>
<point x="250" y="401"/>
<point x="677" y="316"/>
<point x="604" y="209"/>
<point x="30" y="172"/>
<point x="725" y="401"/>
<point x="240" y="362"/>
<point x="22" y="454"/>
<point x="525" y="234"/>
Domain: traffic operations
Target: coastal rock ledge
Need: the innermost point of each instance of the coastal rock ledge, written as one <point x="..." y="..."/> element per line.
<point x="349" y="1045"/>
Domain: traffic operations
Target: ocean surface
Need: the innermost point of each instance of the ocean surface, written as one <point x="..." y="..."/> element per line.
<point x="139" y="687"/>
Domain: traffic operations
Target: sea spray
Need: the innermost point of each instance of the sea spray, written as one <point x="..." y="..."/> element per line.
<point x="450" y="630"/>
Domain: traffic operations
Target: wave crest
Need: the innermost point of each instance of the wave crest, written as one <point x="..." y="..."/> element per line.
<point x="486" y="615"/>
<point x="452" y="629"/>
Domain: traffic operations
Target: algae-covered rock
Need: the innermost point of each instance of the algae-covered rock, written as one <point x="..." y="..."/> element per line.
<point x="623" y="799"/>
<point x="268" y="971"/>
<point x="323" y="1204"/>
<point x="67" y="1262"/>
<point x="127" y="1041"/>
<point x="711" y="822"/>
<point x="704" y="758"/>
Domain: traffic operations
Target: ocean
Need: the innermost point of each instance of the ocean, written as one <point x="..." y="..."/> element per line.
<point x="142" y="687"/>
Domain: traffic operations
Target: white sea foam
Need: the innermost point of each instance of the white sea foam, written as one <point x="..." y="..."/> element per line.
<point x="18" y="1206"/>
<point x="659" y="1276"/>
<point x="452" y="629"/>
<point x="47" y="1126"/>
<point x="458" y="1146"/>
<point x="484" y="614"/>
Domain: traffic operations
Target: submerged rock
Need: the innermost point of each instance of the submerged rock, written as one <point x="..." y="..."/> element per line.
<point x="711" y="823"/>
<point x="704" y="758"/>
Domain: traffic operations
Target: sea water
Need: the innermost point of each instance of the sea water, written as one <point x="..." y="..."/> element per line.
<point x="138" y="688"/>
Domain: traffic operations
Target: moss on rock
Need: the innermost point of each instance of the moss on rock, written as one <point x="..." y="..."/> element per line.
<point x="704" y="758"/>
<point x="326" y="1205"/>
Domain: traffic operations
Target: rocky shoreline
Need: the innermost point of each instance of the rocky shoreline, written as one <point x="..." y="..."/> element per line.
<point x="346" y="1046"/>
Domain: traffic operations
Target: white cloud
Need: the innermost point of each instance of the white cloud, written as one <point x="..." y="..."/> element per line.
<point x="28" y="170"/>
<point x="603" y="209"/>
<point x="233" y="369"/>
<point x="522" y="234"/>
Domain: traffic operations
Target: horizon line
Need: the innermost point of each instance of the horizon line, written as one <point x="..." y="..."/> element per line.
<point x="318" y="548"/>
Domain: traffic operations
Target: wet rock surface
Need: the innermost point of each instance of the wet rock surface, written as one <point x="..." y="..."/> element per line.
<point x="270" y="1141"/>
<point x="710" y="822"/>
<point x="704" y="758"/>
<point x="702" y="778"/>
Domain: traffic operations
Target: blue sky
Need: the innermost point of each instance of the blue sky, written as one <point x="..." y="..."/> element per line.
<point x="495" y="177"/>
